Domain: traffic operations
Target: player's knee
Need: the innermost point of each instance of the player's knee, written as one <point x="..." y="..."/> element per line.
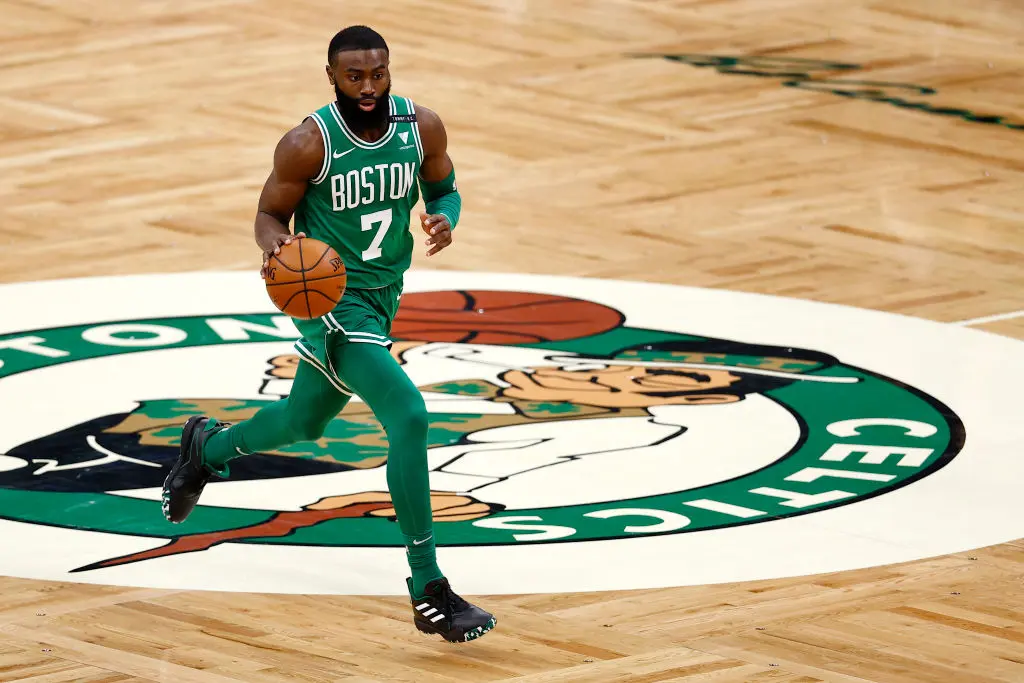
<point x="416" y="421"/>
<point x="410" y="419"/>
<point x="412" y="423"/>
<point x="304" y="427"/>
<point x="305" y="430"/>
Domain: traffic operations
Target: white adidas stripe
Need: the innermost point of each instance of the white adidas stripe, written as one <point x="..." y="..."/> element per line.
<point x="364" y="334"/>
<point x="308" y="356"/>
<point x="369" y="341"/>
<point x="332" y="324"/>
<point x="439" y="617"/>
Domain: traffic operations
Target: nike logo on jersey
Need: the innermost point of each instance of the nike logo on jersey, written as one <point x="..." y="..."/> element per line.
<point x="424" y="540"/>
<point x="338" y="156"/>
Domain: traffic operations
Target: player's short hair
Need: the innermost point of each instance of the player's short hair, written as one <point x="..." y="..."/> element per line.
<point x="355" y="38"/>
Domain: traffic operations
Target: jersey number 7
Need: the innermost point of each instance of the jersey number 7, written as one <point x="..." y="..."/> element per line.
<point x="382" y="217"/>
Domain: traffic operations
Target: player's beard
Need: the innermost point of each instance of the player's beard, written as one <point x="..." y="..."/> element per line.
<point x="361" y="121"/>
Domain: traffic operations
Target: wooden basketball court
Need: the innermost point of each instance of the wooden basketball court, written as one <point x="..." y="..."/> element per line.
<point x="861" y="153"/>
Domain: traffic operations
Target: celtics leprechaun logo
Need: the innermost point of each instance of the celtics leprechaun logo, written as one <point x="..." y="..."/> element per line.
<point x="551" y="420"/>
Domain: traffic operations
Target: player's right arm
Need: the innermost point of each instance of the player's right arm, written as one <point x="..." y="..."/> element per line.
<point x="298" y="158"/>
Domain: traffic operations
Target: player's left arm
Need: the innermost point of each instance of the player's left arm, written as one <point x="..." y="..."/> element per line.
<point x="437" y="180"/>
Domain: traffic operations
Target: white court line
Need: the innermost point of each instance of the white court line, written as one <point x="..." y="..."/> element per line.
<point x="990" y="318"/>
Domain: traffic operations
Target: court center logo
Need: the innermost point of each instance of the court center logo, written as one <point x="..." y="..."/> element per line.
<point x="553" y="420"/>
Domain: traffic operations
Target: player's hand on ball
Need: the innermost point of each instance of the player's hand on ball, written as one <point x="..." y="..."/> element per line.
<point x="439" y="229"/>
<point x="279" y="241"/>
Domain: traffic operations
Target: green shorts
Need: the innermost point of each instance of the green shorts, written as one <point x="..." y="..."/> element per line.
<point x="363" y="316"/>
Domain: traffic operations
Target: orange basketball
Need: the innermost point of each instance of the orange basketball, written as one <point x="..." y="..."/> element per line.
<point x="307" y="279"/>
<point x="494" y="317"/>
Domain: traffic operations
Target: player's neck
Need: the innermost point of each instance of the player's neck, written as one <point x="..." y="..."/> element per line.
<point x="367" y="131"/>
<point x="372" y="134"/>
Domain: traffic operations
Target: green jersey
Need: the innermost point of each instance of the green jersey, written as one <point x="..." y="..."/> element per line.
<point x="361" y="201"/>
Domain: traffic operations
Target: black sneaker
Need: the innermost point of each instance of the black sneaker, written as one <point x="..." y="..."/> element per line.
<point x="444" y="613"/>
<point x="188" y="475"/>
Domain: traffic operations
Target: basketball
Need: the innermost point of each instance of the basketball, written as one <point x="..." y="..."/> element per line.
<point x="494" y="317"/>
<point x="306" y="279"/>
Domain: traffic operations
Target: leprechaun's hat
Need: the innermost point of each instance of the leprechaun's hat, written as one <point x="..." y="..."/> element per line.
<point x="714" y="354"/>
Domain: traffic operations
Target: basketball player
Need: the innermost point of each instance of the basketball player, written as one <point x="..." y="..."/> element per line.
<point x="351" y="174"/>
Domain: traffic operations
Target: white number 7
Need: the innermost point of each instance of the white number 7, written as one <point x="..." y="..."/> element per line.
<point x="382" y="217"/>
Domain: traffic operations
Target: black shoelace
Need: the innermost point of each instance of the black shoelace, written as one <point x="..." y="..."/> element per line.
<point x="454" y="599"/>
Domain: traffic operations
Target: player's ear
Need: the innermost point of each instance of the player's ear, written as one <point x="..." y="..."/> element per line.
<point x="330" y="74"/>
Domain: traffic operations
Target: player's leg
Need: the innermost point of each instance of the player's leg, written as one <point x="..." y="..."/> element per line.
<point x="369" y="369"/>
<point x="303" y="415"/>
<point x="208" y="445"/>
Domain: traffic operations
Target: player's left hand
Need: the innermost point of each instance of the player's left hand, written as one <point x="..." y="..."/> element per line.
<point x="439" y="229"/>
